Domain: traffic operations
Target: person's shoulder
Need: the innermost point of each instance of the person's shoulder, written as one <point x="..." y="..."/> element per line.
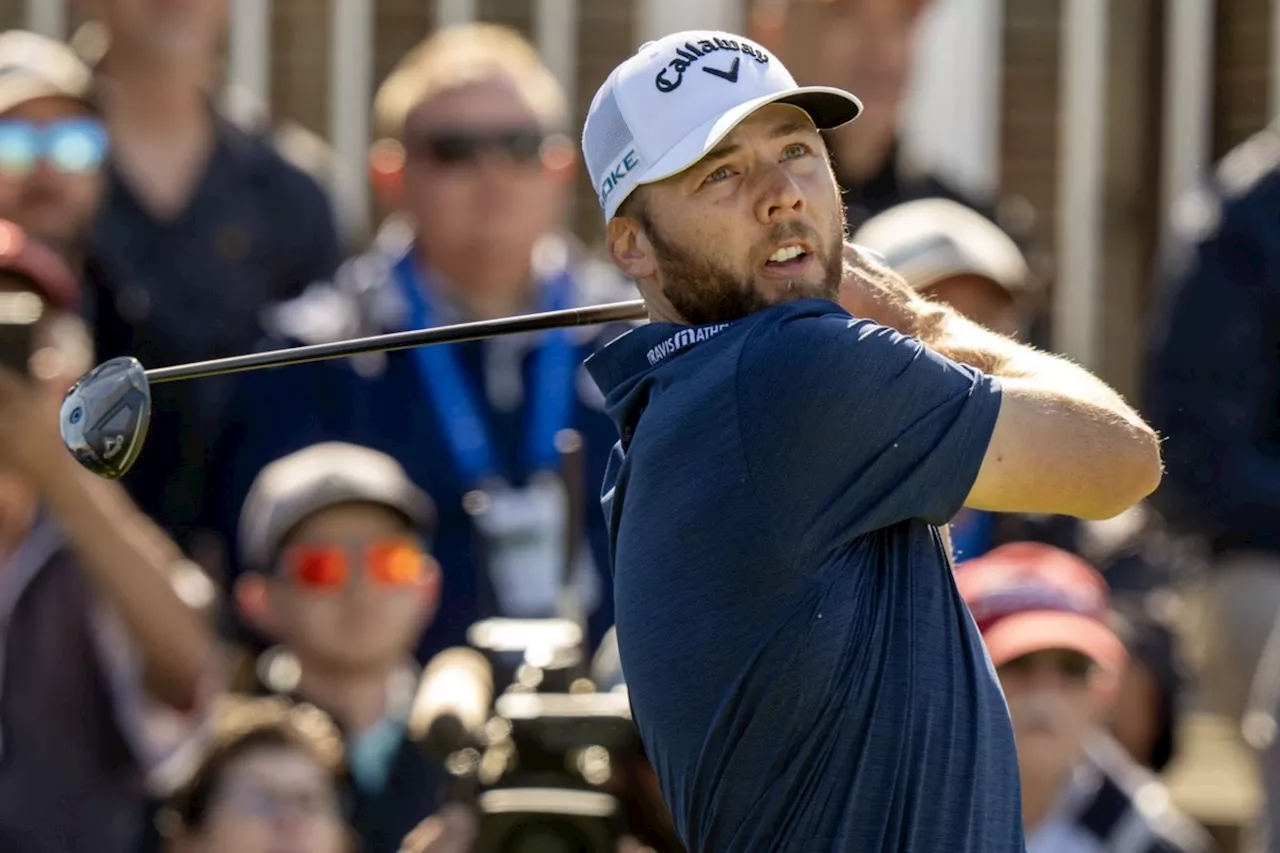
<point x="807" y="326"/>
<point x="360" y="300"/>
<point x="257" y="150"/>
<point x="1242" y="189"/>
<point x="1252" y="168"/>
<point x="796" y="347"/>
<point x="798" y="315"/>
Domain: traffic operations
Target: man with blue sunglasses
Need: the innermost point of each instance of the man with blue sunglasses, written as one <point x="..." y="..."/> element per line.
<point x="52" y="142"/>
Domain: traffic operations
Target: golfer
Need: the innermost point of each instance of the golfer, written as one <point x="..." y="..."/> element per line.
<point x="797" y="427"/>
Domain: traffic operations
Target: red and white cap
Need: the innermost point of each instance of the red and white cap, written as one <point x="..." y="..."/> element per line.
<point x="1028" y="597"/>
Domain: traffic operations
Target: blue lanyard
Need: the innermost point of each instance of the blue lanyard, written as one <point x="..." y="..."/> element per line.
<point x="550" y="398"/>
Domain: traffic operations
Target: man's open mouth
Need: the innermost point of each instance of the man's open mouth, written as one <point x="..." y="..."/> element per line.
<point x="787" y="256"/>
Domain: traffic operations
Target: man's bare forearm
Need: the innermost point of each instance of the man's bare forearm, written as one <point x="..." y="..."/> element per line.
<point x="962" y="340"/>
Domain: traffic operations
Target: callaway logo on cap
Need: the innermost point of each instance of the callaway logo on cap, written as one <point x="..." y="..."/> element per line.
<point x="661" y="110"/>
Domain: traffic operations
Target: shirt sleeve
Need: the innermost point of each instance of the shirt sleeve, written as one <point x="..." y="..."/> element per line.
<point x="855" y="427"/>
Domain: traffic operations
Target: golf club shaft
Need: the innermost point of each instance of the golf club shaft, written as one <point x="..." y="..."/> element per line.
<point x="609" y="313"/>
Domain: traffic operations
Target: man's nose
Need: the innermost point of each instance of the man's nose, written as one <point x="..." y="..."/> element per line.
<point x="780" y="195"/>
<point x="43" y="174"/>
<point x="291" y="819"/>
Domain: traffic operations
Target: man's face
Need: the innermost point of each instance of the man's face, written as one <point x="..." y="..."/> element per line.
<point x="1053" y="703"/>
<point x="353" y="589"/>
<point x="165" y="29"/>
<point x="51" y="181"/>
<point x="980" y="300"/>
<point x="476" y="179"/>
<point x="272" y="800"/>
<point x="756" y="222"/>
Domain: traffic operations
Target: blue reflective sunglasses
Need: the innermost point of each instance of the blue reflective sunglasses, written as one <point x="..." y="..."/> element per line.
<point x="71" y="146"/>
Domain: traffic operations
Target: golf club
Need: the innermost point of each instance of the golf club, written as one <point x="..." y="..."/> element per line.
<point x="105" y="415"/>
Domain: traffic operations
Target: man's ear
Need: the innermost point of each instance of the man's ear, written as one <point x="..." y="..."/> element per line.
<point x="1106" y="687"/>
<point x="560" y="158"/>
<point x="630" y="249"/>
<point x="253" y="602"/>
<point x="429" y="591"/>
<point x="386" y="173"/>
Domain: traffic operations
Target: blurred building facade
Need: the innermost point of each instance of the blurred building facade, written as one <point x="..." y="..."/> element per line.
<point x="1086" y="116"/>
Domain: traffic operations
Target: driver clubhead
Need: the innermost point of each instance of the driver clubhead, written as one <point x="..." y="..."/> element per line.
<point x="105" y="415"/>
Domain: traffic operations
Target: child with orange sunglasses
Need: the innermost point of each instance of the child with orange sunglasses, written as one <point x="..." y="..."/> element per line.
<point x="337" y="542"/>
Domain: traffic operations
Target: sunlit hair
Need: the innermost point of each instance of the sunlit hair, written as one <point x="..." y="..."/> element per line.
<point x="462" y="54"/>
<point x="242" y="725"/>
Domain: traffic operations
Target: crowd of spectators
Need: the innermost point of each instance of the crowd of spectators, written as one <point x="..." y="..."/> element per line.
<point x="221" y="652"/>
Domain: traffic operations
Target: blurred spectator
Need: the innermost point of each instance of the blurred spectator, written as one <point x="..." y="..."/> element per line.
<point x="269" y="782"/>
<point x="1213" y="391"/>
<point x="952" y="254"/>
<point x="1043" y="614"/>
<point x="865" y="47"/>
<point x="336" y="538"/>
<point x="474" y="156"/>
<point x="203" y="225"/>
<point x="99" y="612"/>
<point x="52" y="143"/>
<point x="311" y="153"/>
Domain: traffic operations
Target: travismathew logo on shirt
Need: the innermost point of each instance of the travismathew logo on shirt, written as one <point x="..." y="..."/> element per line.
<point x="682" y="339"/>
<point x="670" y="77"/>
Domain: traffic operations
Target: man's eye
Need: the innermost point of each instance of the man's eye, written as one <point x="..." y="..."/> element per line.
<point x="794" y="150"/>
<point x="718" y="175"/>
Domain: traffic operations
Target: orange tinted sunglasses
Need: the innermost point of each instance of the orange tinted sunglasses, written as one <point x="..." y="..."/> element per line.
<point x="387" y="562"/>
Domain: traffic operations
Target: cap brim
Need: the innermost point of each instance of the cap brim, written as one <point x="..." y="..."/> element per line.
<point x="15" y="93"/>
<point x="828" y="107"/>
<point x="1038" y="631"/>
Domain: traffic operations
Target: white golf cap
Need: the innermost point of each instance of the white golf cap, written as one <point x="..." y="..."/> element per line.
<point x="932" y="239"/>
<point x="661" y="110"/>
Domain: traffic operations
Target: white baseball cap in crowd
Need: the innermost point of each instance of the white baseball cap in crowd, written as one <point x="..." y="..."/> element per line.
<point x="664" y="108"/>
<point x="928" y="240"/>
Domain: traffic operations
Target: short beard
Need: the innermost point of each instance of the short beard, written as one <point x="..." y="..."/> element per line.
<point x="703" y="291"/>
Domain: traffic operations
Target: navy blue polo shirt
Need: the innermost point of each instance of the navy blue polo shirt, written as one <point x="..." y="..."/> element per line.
<point x="193" y="286"/>
<point x="803" y="671"/>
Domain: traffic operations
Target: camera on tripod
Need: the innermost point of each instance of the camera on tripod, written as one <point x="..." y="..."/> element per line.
<point x="536" y="759"/>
